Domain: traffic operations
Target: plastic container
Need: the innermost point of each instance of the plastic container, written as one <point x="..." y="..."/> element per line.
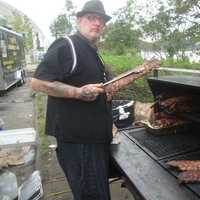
<point x="8" y="185"/>
<point x="18" y="137"/>
<point x="122" y="111"/>
<point x="20" y="147"/>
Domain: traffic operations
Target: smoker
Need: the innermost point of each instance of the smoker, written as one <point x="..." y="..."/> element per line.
<point x="182" y="142"/>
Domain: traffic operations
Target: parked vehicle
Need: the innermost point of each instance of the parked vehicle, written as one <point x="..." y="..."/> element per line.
<point x="12" y="58"/>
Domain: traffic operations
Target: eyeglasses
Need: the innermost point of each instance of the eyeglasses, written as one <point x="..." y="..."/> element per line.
<point x="93" y="18"/>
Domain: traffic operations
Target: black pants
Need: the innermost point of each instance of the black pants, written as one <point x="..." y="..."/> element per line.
<point x="86" y="169"/>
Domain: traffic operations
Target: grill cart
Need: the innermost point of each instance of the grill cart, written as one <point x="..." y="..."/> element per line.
<point x="142" y="155"/>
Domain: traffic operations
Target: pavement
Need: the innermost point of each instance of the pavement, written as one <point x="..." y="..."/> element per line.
<point x="18" y="110"/>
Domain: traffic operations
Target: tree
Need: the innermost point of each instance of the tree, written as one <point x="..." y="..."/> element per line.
<point x="22" y="25"/>
<point x="70" y="9"/>
<point x="122" y="34"/>
<point x="168" y="29"/>
<point x="60" y="26"/>
<point x="189" y="16"/>
<point x="63" y="24"/>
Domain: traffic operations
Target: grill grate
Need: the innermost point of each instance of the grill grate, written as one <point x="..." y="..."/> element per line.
<point x="189" y="156"/>
<point x="164" y="146"/>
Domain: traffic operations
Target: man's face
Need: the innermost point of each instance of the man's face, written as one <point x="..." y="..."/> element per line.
<point x="91" y="26"/>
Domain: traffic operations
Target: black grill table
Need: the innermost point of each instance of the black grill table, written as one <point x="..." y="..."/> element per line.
<point x="146" y="178"/>
<point x="141" y="156"/>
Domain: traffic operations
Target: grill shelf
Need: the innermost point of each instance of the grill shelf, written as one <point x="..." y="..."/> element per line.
<point x="164" y="146"/>
<point x="189" y="156"/>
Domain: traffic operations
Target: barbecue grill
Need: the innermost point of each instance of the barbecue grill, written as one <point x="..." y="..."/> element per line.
<point x="184" y="143"/>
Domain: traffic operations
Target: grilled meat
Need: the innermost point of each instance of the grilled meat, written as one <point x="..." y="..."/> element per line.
<point x="163" y="120"/>
<point x="168" y="122"/>
<point x="177" y="104"/>
<point x="124" y="79"/>
<point x="185" y="165"/>
<point x="189" y="176"/>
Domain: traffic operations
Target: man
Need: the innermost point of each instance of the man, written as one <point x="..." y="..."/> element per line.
<point x="78" y="113"/>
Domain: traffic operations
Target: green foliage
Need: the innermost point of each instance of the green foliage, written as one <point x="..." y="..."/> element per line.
<point x="63" y="23"/>
<point x="60" y="26"/>
<point x="122" y="34"/>
<point x="121" y="63"/>
<point x="70" y="9"/>
<point x="40" y="106"/>
<point x="23" y="25"/>
<point x="175" y="27"/>
<point x="188" y="12"/>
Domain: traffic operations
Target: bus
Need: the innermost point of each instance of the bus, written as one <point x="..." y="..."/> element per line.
<point x="12" y="58"/>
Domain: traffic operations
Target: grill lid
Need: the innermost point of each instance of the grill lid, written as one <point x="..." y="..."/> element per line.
<point x="174" y="84"/>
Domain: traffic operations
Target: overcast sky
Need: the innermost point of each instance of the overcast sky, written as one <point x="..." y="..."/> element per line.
<point x="42" y="12"/>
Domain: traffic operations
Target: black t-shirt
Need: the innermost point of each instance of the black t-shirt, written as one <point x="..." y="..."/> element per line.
<point x="69" y="119"/>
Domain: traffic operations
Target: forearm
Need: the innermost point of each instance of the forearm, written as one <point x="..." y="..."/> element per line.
<point x="56" y="89"/>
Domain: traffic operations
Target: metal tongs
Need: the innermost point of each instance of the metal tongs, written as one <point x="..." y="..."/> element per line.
<point x="123" y="75"/>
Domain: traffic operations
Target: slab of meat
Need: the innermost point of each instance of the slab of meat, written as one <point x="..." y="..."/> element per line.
<point x="185" y="165"/>
<point x="189" y="176"/>
<point x="168" y="122"/>
<point x="161" y="121"/>
<point x="177" y="104"/>
<point x="129" y="76"/>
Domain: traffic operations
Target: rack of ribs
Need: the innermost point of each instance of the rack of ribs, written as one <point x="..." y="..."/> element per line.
<point x="189" y="176"/>
<point x="176" y="104"/>
<point x="185" y="165"/>
<point x="190" y="170"/>
<point x="126" y="78"/>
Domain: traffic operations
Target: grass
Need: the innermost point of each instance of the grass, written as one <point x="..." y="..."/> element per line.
<point x="40" y="105"/>
<point x="122" y="63"/>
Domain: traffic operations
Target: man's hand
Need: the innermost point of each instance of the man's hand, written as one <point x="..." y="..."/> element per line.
<point x="90" y="92"/>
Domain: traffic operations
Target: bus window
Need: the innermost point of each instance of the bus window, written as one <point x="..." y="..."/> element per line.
<point x="12" y="58"/>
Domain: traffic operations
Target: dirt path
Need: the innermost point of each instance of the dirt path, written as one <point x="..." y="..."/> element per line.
<point x="16" y="108"/>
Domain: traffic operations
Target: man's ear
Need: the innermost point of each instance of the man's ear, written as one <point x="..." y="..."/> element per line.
<point x="78" y="19"/>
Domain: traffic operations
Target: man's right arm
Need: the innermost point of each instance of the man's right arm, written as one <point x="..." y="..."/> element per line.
<point x="58" y="89"/>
